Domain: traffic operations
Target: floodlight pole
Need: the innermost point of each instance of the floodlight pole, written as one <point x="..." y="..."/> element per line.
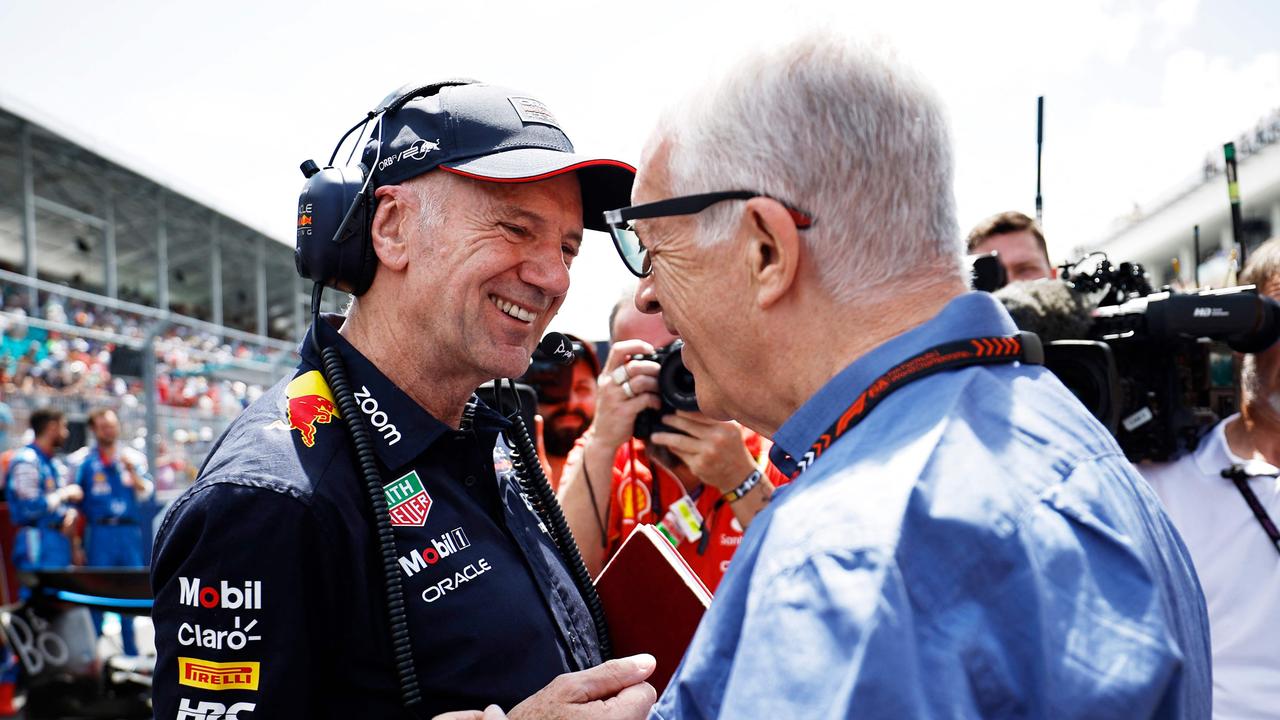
<point x="1039" y="151"/>
<point x="1233" y="194"/>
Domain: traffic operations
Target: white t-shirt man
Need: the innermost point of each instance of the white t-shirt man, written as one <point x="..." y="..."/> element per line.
<point x="1239" y="569"/>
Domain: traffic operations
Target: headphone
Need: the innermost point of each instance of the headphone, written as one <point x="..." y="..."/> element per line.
<point x="335" y="208"/>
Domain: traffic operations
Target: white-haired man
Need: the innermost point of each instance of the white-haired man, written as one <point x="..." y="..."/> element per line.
<point x="1235" y="547"/>
<point x="961" y="538"/>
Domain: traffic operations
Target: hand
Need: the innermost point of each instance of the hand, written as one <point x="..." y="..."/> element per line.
<point x="615" y="412"/>
<point x="614" y="690"/>
<point x="69" y="522"/>
<point x="129" y="477"/>
<point x="70" y="493"/>
<point x="493" y="712"/>
<point x="714" y="451"/>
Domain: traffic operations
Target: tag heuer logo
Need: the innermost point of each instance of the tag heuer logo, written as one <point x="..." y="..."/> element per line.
<point x="408" y="501"/>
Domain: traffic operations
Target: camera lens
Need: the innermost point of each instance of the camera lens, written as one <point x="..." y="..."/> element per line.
<point x="675" y="381"/>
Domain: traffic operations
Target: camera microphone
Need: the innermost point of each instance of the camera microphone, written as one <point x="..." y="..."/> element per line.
<point x="556" y="348"/>
<point x="1048" y="308"/>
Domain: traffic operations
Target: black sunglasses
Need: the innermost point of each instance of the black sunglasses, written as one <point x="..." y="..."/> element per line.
<point x="633" y="252"/>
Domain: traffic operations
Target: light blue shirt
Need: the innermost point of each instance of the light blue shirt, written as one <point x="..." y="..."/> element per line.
<point x="977" y="547"/>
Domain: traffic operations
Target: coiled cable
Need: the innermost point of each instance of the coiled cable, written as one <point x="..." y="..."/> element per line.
<point x="534" y="482"/>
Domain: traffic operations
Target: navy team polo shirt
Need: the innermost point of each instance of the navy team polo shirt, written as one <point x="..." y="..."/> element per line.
<point x="269" y="597"/>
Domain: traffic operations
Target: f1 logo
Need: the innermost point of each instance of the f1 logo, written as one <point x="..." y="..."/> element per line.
<point x="212" y="710"/>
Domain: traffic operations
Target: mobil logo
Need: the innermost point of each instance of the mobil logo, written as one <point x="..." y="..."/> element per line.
<point x="450" y="543"/>
<point x="226" y="596"/>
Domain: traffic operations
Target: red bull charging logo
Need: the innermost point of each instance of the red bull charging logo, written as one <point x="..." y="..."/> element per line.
<point x="310" y="402"/>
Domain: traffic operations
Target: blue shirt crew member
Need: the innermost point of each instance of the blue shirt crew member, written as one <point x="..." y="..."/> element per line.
<point x="40" y="498"/>
<point x="957" y="553"/>
<point x="270" y="573"/>
<point x="961" y="538"/>
<point x="112" y="485"/>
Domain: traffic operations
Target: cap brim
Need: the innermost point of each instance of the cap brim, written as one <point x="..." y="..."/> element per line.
<point x="606" y="184"/>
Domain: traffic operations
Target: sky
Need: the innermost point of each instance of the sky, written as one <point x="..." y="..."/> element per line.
<point x="224" y="100"/>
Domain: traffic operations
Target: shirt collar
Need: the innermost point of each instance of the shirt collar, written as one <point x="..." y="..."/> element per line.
<point x="971" y="315"/>
<point x="40" y="453"/>
<point x="1214" y="454"/>
<point x="402" y="430"/>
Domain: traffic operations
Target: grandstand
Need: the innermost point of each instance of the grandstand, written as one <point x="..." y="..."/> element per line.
<point x="119" y="289"/>
<point x="1163" y="231"/>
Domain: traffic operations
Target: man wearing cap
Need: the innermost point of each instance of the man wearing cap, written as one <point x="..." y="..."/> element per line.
<point x="270" y="593"/>
<point x="566" y="402"/>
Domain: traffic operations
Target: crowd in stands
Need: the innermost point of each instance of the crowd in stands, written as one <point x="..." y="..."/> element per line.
<point x="44" y="362"/>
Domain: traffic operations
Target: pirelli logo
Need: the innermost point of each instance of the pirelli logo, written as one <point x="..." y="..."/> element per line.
<point x="218" y="676"/>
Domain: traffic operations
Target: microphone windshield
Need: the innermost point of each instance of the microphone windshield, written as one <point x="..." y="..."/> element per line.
<point x="1048" y="308"/>
<point x="556" y="348"/>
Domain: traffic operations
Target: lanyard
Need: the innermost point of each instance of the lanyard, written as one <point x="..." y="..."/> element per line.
<point x="1023" y="347"/>
<point x="1238" y="475"/>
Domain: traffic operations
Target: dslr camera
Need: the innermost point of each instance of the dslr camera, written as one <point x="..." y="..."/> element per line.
<point x="675" y="387"/>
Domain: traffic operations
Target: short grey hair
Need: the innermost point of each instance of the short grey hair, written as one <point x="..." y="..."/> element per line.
<point x="842" y="131"/>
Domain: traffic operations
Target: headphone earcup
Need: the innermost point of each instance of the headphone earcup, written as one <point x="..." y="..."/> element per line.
<point x="346" y="263"/>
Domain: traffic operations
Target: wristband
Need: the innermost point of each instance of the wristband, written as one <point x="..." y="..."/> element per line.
<point x="747" y="485"/>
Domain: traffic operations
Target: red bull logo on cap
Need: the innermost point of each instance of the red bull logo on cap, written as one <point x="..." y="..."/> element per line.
<point x="310" y="402"/>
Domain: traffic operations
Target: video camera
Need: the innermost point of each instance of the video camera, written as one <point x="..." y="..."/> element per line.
<point x="675" y="387"/>
<point x="1157" y="368"/>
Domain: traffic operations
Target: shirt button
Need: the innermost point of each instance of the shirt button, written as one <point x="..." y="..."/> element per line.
<point x="469" y="481"/>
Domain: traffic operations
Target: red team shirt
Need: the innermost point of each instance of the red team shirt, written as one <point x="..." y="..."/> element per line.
<point x="633" y="501"/>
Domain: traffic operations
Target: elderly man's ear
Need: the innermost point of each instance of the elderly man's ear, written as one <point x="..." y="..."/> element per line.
<point x="396" y="210"/>
<point x="773" y="249"/>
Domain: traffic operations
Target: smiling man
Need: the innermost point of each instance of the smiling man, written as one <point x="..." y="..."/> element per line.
<point x="961" y="538"/>
<point x="270" y="589"/>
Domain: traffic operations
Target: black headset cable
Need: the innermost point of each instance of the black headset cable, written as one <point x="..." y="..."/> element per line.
<point x="335" y="375"/>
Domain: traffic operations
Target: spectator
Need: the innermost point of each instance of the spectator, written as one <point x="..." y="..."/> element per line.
<point x="1017" y="241"/>
<point x="614" y="482"/>
<point x="40" y="497"/>
<point x="566" y="402"/>
<point x="961" y="538"/>
<point x="1234" y="555"/>
<point x="6" y="422"/>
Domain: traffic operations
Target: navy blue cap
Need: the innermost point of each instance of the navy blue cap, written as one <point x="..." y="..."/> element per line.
<point x="494" y="134"/>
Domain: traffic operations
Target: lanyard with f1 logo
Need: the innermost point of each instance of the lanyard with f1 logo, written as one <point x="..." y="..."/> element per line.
<point x="1023" y="347"/>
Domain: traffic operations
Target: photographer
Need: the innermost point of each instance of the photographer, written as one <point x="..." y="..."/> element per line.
<point x="566" y="403"/>
<point x="1236" y="560"/>
<point x="1018" y="243"/>
<point x="678" y="477"/>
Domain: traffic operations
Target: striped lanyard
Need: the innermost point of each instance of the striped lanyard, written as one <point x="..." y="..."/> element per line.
<point x="1239" y="475"/>
<point x="1023" y="347"/>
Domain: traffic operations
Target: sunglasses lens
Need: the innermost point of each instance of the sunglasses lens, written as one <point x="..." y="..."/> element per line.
<point x="633" y="253"/>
